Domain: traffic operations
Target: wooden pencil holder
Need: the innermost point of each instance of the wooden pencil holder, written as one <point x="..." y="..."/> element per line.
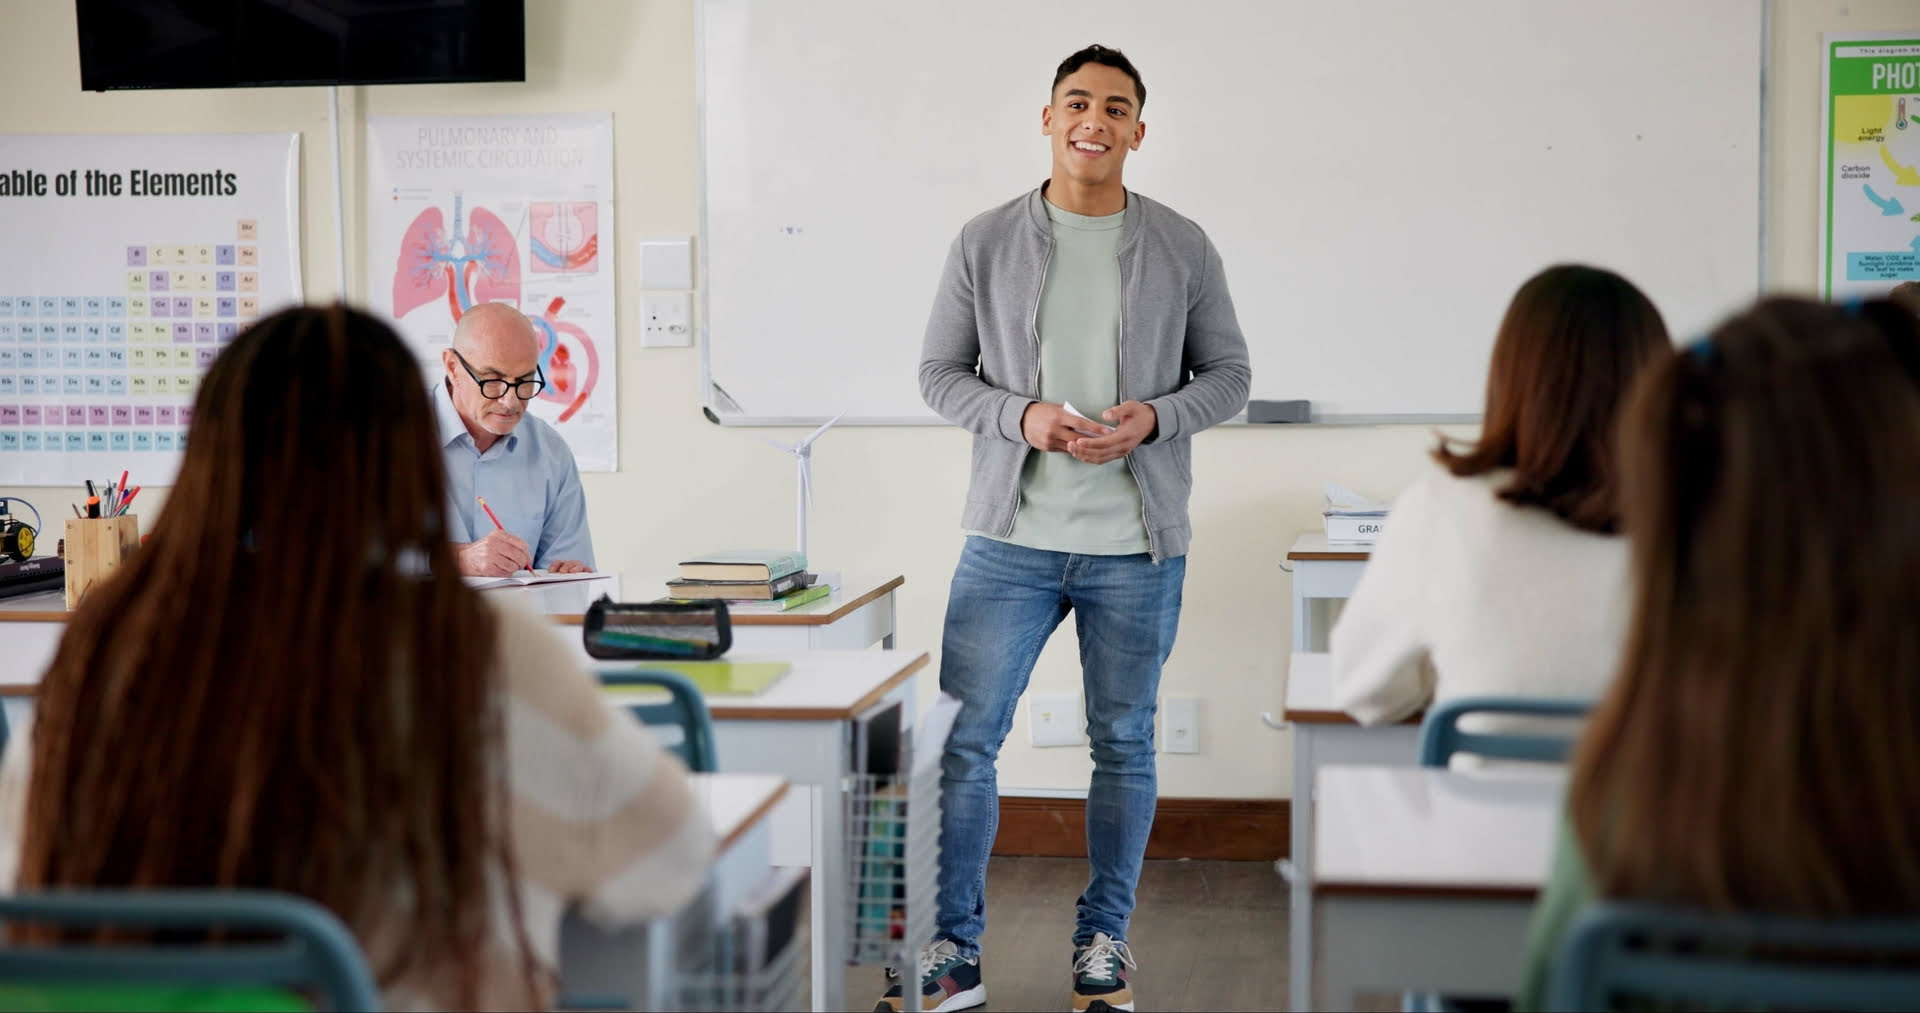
<point x="94" y="546"/>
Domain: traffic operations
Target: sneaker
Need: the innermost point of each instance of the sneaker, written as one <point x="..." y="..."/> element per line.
<point x="1100" y="975"/>
<point x="948" y="981"/>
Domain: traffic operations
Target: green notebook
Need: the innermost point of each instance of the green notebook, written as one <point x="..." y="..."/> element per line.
<point x="714" y="678"/>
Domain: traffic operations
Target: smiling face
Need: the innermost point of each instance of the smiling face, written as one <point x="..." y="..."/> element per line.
<point x="1094" y="121"/>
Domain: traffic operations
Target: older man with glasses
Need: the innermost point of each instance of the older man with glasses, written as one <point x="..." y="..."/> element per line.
<point x="495" y="451"/>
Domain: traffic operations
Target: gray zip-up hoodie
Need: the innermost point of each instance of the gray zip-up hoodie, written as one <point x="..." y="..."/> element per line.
<point x="1181" y="352"/>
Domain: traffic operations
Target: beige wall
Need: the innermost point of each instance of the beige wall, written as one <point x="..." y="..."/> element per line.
<point x="888" y="499"/>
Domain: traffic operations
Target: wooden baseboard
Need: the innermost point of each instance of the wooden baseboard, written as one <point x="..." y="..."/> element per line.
<point x="1231" y="829"/>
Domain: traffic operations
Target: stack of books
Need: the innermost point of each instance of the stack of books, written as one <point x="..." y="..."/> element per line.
<point x="1353" y="519"/>
<point x="758" y="580"/>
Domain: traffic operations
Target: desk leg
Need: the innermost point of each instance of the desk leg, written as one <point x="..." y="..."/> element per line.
<point x="1300" y="915"/>
<point x="829" y="900"/>
<point x="1302" y="620"/>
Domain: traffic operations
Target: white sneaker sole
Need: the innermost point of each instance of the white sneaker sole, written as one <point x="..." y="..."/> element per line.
<point x="1128" y="1006"/>
<point x="975" y="996"/>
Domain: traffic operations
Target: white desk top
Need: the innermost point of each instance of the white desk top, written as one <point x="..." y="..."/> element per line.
<point x="1309" y="693"/>
<point x="735" y="802"/>
<point x="40" y="606"/>
<point x="821" y="686"/>
<point x="1313" y="546"/>
<point x="1425" y="831"/>
<point x="567" y="602"/>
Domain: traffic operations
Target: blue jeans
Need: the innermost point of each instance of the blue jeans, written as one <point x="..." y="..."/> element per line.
<point x="1006" y="601"/>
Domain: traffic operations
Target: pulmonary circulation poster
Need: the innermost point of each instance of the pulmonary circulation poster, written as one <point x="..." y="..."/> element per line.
<point x="130" y="261"/>
<point x="1870" y="218"/>
<point x="463" y="210"/>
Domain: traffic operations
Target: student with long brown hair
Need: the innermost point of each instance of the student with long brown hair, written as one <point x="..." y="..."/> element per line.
<point x="1759" y="749"/>
<point x="289" y="687"/>
<point x="1499" y="572"/>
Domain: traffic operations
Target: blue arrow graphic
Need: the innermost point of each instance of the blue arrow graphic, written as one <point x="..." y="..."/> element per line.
<point x="1889" y="206"/>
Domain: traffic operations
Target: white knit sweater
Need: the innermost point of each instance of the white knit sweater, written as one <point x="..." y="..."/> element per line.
<point x="1468" y="595"/>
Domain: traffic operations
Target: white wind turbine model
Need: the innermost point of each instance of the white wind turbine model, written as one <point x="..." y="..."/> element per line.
<point x="803" y="460"/>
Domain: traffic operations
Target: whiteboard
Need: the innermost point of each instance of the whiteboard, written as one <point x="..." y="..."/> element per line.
<point x="1378" y="175"/>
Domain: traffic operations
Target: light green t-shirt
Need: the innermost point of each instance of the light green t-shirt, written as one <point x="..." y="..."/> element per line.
<point x="1068" y="505"/>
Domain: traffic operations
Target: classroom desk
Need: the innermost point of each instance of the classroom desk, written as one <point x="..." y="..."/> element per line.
<point x="1321" y="572"/>
<point x="639" y="963"/>
<point x="859" y="613"/>
<point x="801" y="728"/>
<point x="1324" y="734"/>
<point x="1425" y="879"/>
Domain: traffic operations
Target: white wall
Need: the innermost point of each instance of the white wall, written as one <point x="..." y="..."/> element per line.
<point x="887" y="499"/>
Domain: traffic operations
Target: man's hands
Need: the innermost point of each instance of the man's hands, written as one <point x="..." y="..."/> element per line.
<point x="496" y="555"/>
<point x="1050" y="427"/>
<point x="568" y="566"/>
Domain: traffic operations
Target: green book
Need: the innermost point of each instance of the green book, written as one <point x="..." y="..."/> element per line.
<point x="743" y="564"/>
<point x="713" y="678"/>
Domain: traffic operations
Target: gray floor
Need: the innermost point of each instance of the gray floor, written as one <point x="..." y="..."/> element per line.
<point x="1207" y="936"/>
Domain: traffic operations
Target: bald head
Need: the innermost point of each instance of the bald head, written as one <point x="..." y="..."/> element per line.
<point x="493" y="342"/>
<point x="495" y="330"/>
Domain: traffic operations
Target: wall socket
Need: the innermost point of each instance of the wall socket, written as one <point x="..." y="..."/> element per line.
<point x="1055" y="719"/>
<point x="1179" y="724"/>
<point x="666" y="319"/>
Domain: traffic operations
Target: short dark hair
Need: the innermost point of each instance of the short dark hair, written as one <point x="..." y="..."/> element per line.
<point x="1570" y="347"/>
<point x="1105" y="56"/>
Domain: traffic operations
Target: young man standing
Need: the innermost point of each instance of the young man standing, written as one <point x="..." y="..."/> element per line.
<point x="1078" y="293"/>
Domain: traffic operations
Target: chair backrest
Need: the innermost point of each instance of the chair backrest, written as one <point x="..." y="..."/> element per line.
<point x="1619" y="954"/>
<point x="1441" y="735"/>
<point x="685" y="707"/>
<point x="304" y="947"/>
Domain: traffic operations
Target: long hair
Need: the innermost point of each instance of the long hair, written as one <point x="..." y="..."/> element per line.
<point x="1758" y="750"/>
<point x="1569" y="347"/>
<point x="288" y="686"/>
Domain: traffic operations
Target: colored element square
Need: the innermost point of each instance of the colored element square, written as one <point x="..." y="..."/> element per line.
<point x="223" y="256"/>
<point x="142" y="442"/>
<point x="136" y="256"/>
<point x="249" y="257"/>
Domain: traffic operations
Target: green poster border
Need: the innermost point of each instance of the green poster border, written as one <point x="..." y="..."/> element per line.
<point x="1833" y="47"/>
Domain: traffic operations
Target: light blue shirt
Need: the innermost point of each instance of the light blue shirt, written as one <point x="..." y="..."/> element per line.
<point x="528" y="478"/>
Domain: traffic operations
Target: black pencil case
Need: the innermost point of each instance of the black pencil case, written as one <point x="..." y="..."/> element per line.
<point x="656" y="631"/>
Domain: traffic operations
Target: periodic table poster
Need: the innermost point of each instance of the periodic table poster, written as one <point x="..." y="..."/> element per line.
<point x="130" y="261"/>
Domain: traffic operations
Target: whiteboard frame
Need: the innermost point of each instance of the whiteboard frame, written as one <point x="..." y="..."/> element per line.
<point x="714" y="398"/>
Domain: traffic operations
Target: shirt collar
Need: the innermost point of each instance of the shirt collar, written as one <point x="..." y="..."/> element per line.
<point x="451" y="428"/>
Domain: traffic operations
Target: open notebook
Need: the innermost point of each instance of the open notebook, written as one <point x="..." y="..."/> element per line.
<point x="521" y="578"/>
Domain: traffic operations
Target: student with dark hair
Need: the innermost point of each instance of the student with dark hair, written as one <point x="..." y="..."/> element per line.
<point x="1080" y="292"/>
<point x="1499" y="571"/>
<point x="1758" y="751"/>
<point x="290" y="688"/>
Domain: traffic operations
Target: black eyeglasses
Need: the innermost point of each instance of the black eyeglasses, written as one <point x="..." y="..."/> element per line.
<point x="494" y="388"/>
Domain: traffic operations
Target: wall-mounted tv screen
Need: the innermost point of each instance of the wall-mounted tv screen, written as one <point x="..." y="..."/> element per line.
<point x="272" y="43"/>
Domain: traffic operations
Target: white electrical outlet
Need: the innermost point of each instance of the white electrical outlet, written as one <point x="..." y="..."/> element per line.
<point x="1055" y="719"/>
<point x="1179" y="724"/>
<point x="666" y="319"/>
